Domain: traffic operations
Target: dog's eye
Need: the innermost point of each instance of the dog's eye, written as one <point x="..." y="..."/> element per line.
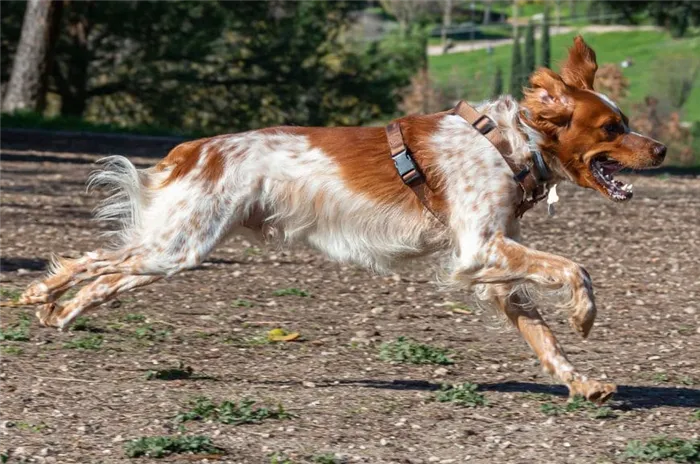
<point x="613" y="128"/>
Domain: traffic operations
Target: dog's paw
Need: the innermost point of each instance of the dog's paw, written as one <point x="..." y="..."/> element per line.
<point x="592" y="390"/>
<point x="36" y="293"/>
<point x="47" y="314"/>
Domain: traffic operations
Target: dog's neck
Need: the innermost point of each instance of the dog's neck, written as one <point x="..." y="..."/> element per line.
<point x="525" y="140"/>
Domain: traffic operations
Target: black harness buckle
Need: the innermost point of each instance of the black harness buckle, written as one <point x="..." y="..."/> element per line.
<point x="407" y="167"/>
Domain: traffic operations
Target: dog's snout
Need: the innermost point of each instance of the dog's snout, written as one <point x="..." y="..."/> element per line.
<point x="660" y="151"/>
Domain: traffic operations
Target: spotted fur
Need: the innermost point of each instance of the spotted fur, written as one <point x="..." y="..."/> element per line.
<point x="336" y="189"/>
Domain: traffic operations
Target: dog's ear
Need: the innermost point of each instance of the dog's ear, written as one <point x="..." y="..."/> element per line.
<point x="580" y="67"/>
<point x="548" y="101"/>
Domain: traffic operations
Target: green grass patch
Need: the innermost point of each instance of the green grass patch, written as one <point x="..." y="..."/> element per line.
<point x="403" y="350"/>
<point x="12" y="350"/>
<point x="159" y="447"/>
<point x="11" y="294"/>
<point x="663" y="449"/>
<point x="229" y="412"/>
<point x="17" y="332"/>
<point x="84" y="324"/>
<point x="291" y="292"/>
<point x="147" y="332"/>
<point x="134" y="318"/>
<point x="88" y="342"/>
<point x="240" y="303"/>
<point x="695" y="416"/>
<point x="327" y="458"/>
<point x="577" y="403"/>
<point x="465" y="394"/>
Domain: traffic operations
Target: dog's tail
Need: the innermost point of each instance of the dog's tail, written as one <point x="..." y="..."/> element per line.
<point x="128" y="196"/>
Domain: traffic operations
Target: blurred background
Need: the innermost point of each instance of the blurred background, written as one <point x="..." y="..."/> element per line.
<point x="199" y="68"/>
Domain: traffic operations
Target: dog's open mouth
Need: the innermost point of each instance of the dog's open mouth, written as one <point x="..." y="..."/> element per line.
<point x="603" y="168"/>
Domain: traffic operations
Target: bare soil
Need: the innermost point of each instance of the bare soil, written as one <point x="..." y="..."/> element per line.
<point x="67" y="405"/>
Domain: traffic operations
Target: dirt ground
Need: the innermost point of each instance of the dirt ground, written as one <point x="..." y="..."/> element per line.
<point x="66" y="405"/>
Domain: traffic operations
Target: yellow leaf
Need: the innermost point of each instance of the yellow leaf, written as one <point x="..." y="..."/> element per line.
<point x="281" y="335"/>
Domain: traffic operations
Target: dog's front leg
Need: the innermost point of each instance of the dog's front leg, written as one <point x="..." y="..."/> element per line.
<point x="501" y="260"/>
<point x="525" y="317"/>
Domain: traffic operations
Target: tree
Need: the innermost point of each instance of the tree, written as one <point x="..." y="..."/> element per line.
<point x="516" y="70"/>
<point x="447" y="6"/>
<point x="546" y="48"/>
<point x="529" y="59"/>
<point x="497" y="83"/>
<point x="26" y="88"/>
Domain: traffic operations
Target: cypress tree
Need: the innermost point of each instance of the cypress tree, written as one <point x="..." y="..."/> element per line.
<point x="546" y="52"/>
<point x="498" y="83"/>
<point x="516" y="70"/>
<point x="529" y="60"/>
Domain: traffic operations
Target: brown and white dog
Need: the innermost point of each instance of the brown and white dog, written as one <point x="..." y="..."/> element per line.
<point x="337" y="190"/>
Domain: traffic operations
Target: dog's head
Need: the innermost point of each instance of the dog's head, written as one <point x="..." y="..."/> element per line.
<point x="584" y="129"/>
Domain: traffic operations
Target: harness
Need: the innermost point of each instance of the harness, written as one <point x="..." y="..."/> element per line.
<point x="530" y="178"/>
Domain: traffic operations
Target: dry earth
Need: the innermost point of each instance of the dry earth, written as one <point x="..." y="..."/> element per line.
<point x="67" y="405"/>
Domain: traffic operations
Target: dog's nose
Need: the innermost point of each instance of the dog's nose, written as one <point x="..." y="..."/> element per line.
<point x="660" y="151"/>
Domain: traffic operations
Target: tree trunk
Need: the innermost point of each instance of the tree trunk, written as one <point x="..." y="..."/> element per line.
<point x="26" y="88"/>
<point x="446" y="23"/>
<point x="487" y="12"/>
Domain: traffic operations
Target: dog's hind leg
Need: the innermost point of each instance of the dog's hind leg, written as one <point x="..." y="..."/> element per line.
<point x="92" y="295"/>
<point x="525" y="317"/>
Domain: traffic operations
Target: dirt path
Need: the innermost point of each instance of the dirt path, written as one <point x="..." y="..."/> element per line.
<point x="63" y="404"/>
<point x="461" y="47"/>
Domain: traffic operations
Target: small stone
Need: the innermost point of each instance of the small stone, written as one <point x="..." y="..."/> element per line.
<point x="308" y="384"/>
<point x="433" y="459"/>
<point x="383" y="442"/>
<point x="441" y="372"/>
<point x="118" y="439"/>
<point x="689" y="310"/>
<point x="378" y="310"/>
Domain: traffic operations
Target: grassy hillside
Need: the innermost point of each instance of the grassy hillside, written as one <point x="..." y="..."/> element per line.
<point x="655" y="54"/>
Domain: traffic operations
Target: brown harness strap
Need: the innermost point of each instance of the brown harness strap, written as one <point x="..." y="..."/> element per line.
<point x="408" y="169"/>
<point x="531" y="190"/>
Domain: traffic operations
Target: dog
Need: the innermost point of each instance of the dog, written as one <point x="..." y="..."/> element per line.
<point x="458" y="184"/>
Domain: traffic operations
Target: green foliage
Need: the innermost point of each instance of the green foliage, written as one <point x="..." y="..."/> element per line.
<point x="696" y="415"/>
<point x="229" y="412"/>
<point x="18" y="332"/>
<point x="291" y="292"/>
<point x="158" y="447"/>
<point x="327" y="458"/>
<point x="280" y="458"/>
<point x="516" y="70"/>
<point x="13" y="350"/>
<point x="84" y="324"/>
<point x="147" y="332"/>
<point x="10" y="293"/>
<point x="88" y="342"/>
<point x="403" y="350"/>
<point x="242" y="303"/>
<point x="134" y="318"/>
<point x="577" y="403"/>
<point x="663" y="449"/>
<point x="463" y="395"/>
<point x="545" y="45"/>
<point x="529" y="60"/>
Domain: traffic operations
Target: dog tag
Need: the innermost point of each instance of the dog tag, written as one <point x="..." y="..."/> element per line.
<point x="552" y="198"/>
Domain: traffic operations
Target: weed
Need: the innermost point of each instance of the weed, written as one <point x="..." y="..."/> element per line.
<point x="158" y="447"/>
<point x="327" y="458"/>
<point x="685" y="380"/>
<point x="696" y="415"/>
<point x="88" y="342"/>
<point x="291" y="292"/>
<point x="4" y="457"/>
<point x="147" y="332"/>
<point x="664" y="449"/>
<point x="11" y="294"/>
<point x="280" y="458"/>
<point x="578" y="403"/>
<point x="177" y="373"/>
<point x="22" y="425"/>
<point x="19" y="332"/>
<point x="253" y="251"/>
<point x="10" y="349"/>
<point x="241" y="303"/>
<point x="228" y="412"/>
<point x="84" y="324"/>
<point x="134" y="318"/>
<point x="403" y="350"/>
<point x="463" y="395"/>
<point x="660" y="377"/>
<point x="537" y="396"/>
